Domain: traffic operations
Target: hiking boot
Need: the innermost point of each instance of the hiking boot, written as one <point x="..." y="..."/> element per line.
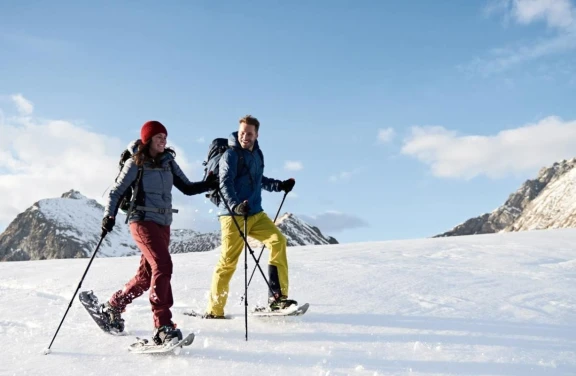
<point x="212" y="316"/>
<point x="113" y="317"/>
<point x="166" y="334"/>
<point x="281" y="303"/>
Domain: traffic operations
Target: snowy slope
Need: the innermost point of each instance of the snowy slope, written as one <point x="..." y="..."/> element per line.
<point x="499" y="304"/>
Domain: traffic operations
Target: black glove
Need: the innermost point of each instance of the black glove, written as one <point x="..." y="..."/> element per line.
<point x="242" y="209"/>
<point x="212" y="181"/>
<point x="108" y="223"/>
<point x="287" y="185"/>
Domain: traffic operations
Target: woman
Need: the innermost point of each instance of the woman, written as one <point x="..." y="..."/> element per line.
<point x="150" y="223"/>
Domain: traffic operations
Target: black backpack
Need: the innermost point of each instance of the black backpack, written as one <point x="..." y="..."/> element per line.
<point x="127" y="200"/>
<point x="215" y="151"/>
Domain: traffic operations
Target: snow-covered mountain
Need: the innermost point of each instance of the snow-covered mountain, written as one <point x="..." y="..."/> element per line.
<point x="69" y="227"/>
<point x="186" y="240"/>
<point x="298" y="232"/>
<point x="65" y="227"/>
<point x="547" y="202"/>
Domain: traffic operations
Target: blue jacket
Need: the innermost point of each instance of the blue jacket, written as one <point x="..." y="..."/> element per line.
<point x="247" y="184"/>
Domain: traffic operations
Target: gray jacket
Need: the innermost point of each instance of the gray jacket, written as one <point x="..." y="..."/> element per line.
<point x="154" y="198"/>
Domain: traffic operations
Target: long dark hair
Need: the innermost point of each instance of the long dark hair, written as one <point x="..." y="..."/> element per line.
<point x="143" y="155"/>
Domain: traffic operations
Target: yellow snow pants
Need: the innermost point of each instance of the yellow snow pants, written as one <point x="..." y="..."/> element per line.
<point x="260" y="227"/>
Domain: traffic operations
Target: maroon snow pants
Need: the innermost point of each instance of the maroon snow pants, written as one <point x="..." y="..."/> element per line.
<point x="155" y="271"/>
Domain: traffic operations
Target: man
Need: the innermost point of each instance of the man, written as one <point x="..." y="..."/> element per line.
<point x="242" y="191"/>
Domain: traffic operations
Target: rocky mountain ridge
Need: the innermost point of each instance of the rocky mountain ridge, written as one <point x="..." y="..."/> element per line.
<point x="548" y="201"/>
<point x="69" y="227"/>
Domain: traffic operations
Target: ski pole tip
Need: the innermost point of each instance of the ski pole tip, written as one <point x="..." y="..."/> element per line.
<point x="47" y="351"/>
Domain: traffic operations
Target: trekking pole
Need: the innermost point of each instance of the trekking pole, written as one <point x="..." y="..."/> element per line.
<point x="104" y="232"/>
<point x="262" y="250"/>
<point x="244" y="236"/>
<point x="246" y="273"/>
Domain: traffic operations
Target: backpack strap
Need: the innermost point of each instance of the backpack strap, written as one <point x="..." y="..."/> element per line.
<point x="135" y="193"/>
<point x="241" y="163"/>
<point x="261" y="156"/>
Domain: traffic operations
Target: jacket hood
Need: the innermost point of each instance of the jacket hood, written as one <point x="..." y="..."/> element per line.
<point x="133" y="146"/>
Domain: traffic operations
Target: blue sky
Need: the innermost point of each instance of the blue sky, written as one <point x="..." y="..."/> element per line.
<point x="397" y="119"/>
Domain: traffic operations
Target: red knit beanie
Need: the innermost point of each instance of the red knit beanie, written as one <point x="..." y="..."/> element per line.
<point x="150" y="129"/>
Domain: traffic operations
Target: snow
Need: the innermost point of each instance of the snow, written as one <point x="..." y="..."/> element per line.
<point x="81" y="220"/>
<point x="554" y="207"/>
<point x="299" y="232"/>
<point x="498" y="304"/>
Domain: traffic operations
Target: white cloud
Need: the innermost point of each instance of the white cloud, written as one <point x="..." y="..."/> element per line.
<point x="334" y="221"/>
<point x="200" y="140"/>
<point x="506" y="58"/>
<point x="344" y="175"/>
<point x="25" y="107"/>
<point x="293" y="166"/>
<point x="514" y="151"/>
<point x="385" y="135"/>
<point x="45" y="158"/>
<point x="558" y="14"/>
